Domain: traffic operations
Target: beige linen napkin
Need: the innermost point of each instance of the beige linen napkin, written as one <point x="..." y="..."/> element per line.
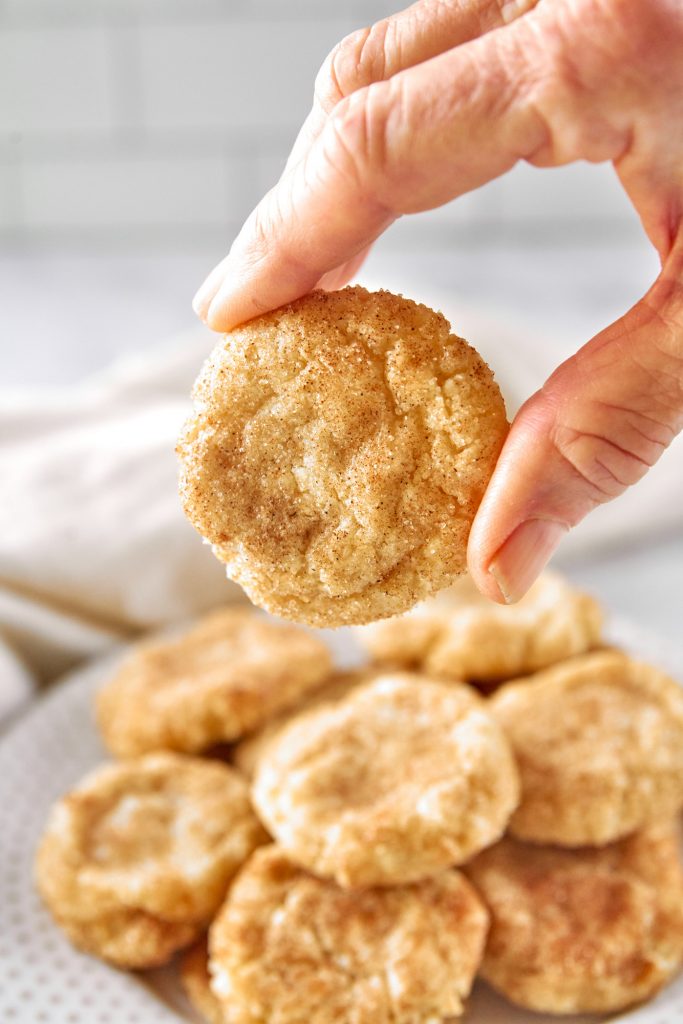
<point x="94" y="546"/>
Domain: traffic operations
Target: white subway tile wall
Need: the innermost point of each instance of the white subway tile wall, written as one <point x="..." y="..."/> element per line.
<point x="130" y="192"/>
<point x="167" y="119"/>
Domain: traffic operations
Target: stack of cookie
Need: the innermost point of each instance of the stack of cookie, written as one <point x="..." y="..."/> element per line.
<point x="492" y="794"/>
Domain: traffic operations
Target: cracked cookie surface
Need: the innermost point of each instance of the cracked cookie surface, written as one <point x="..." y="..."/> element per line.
<point x="399" y="780"/>
<point x="583" y="931"/>
<point x="292" y="948"/>
<point x="134" y="862"/>
<point x="599" y="745"/>
<point x="246" y="755"/>
<point x="338" y="452"/>
<point x="223" y="678"/>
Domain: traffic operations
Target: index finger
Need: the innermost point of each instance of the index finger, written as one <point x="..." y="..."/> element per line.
<point x="412" y="143"/>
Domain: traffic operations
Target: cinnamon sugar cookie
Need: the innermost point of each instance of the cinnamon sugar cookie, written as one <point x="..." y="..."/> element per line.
<point x="399" y="780"/>
<point x="599" y="744"/>
<point x="292" y="948"/>
<point x="247" y="754"/>
<point x="134" y="861"/>
<point x="196" y="980"/>
<point x="583" y="931"/>
<point x="461" y="635"/>
<point x="223" y="678"/>
<point x="338" y="452"/>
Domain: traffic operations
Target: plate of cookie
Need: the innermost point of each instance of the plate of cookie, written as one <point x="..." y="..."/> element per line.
<point x="468" y="812"/>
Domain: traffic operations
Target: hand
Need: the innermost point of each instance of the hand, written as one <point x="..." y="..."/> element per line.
<point x="432" y="103"/>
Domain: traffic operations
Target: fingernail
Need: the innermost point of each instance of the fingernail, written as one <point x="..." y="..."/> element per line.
<point x="215" y="315"/>
<point x="202" y="299"/>
<point x="524" y="554"/>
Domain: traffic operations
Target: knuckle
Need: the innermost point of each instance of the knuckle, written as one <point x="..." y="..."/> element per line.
<point x="580" y="63"/>
<point x="359" y="130"/>
<point x="263" y="232"/>
<point x="268" y="240"/>
<point x="660" y="368"/>
<point x="605" y="467"/>
<point x="359" y="59"/>
<point x="256" y="237"/>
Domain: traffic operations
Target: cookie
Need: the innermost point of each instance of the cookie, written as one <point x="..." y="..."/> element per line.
<point x="461" y="635"/>
<point x="339" y="449"/>
<point x="401" y="779"/>
<point x="135" y="861"/>
<point x="247" y="754"/>
<point x="196" y="981"/>
<point x="130" y="939"/>
<point x="292" y="948"/>
<point x="223" y="678"/>
<point x="599" y="745"/>
<point x="583" y="931"/>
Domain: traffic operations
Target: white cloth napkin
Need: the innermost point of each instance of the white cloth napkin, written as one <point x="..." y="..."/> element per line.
<point x="94" y="546"/>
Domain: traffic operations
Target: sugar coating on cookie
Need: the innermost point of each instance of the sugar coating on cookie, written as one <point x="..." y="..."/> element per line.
<point x="339" y="449"/>
<point x="247" y="754"/>
<point x="461" y="635"/>
<point x="583" y="931"/>
<point x="129" y="939"/>
<point x="135" y="860"/>
<point x="396" y="782"/>
<point x="599" y="745"/>
<point x="296" y="949"/>
<point x="223" y="678"/>
<point x="196" y="981"/>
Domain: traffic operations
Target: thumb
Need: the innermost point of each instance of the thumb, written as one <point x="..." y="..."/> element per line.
<point x="598" y="424"/>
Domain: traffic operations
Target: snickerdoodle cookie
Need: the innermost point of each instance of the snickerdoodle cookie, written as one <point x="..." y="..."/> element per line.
<point x="136" y="859"/>
<point x="399" y="780"/>
<point x="225" y="677"/>
<point x="247" y="754"/>
<point x="196" y="980"/>
<point x="581" y="931"/>
<point x="599" y="745"/>
<point x="292" y="948"/>
<point x="461" y="635"/>
<point x="338" y="452"/>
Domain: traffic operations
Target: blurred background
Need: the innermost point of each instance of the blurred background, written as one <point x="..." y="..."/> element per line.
<point x="136" y="135"/>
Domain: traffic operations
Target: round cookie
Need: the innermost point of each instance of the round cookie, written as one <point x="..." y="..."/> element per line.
<point x="599" y="745"/>
<point x="135" y="861"/>
<point x="296" y="949"/>
<point x="401" y="779"/>
<point x="223" y="678"/>
<point x="583" y="931"/>
<point x="338" y="452"/>
<point x="247" y="754"/>
<point x="461" y="635"/>
<point x="196" y="981"/>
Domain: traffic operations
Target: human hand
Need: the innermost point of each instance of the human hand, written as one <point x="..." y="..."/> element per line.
<point x="438" y="100"/>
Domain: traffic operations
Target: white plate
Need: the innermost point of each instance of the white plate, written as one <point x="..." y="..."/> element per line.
<point x="42" y="979"/>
